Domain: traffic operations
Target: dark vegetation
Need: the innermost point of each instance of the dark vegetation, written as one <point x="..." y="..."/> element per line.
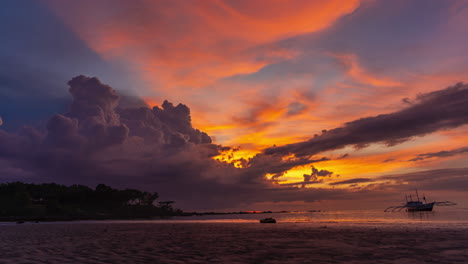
<point x="48" y="202"/>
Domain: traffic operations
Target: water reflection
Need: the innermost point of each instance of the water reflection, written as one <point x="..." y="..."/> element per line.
<point x="445" y="218"/>
<point x="421" y="216"/>
<point x="346" y="217"/>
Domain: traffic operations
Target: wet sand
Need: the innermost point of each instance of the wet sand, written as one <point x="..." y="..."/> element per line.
<point x="228" y="243"/>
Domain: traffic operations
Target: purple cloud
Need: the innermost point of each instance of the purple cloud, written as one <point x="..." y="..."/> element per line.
<point x="430" y="112"/>
<point x="440" y="154"/>
<point x="154" y="149"/>
<point x="98" y="141"/>
<point x="351" y="181"/>
<point x="315" y="176"/>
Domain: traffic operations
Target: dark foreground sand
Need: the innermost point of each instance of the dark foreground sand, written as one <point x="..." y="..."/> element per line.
<point x="228" y="243"/>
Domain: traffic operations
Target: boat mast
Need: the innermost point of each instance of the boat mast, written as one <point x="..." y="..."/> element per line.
<point x="417" y="195"/>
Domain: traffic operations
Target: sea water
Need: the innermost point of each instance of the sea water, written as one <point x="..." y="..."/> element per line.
<point x="439" y="218"/>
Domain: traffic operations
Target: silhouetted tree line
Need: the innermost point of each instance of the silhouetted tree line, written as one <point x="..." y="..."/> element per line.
<point x="59" y="202"/>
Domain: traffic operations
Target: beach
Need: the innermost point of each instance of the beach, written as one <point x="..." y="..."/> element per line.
<point x="167" y="242"/>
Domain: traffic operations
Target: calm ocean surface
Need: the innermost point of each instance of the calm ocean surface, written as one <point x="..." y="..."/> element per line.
<point x="440" y="218"/>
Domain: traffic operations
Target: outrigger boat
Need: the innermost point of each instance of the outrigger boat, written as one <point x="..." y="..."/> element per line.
<point x="417" y="205"/>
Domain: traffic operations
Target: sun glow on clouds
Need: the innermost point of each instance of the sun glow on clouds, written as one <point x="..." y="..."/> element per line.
<point x="211" y="56"/>
<point x="150" y="102"/>
<point x="194" y="43"/>
<point x="186" y="48"/>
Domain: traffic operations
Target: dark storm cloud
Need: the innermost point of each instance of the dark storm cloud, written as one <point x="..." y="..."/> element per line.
<point x="430" y="112"/>
<point x="93" y="124"/>
<point x="96" y="141"/>
<point x="440" y="154"/>
<point x="129" y="101"/>
<point x="156" y="149"/>
<point x="166" y="125"/>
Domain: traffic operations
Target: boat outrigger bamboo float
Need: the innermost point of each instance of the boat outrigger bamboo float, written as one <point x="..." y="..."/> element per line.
<point x="417" y="205"/>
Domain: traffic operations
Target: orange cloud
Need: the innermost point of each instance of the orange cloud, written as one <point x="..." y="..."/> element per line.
<point x="184" y="49"/>
<point x="150" y="102"/>
<point x="194" y="43"/>
<point x="378" y="160"/>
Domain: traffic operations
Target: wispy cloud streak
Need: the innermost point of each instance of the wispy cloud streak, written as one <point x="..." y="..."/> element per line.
<point x="429" y="112"/>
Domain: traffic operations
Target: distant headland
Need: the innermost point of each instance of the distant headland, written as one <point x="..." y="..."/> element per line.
<point x="54" y="202"/>
<point x="22" y="202"/>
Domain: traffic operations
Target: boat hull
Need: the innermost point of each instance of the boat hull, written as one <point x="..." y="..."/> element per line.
<point x="421" y="207"/>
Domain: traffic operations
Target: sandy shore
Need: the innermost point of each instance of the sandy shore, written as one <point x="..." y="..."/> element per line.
<point x="228" y="243"/>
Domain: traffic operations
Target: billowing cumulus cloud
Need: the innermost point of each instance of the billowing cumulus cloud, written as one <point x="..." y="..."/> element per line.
<point x="255" y="73"/>
<point x="158" y="149"/>
<point x="92" y="122"/>
<point x="189" y="50"/>
<point x="97" y="141"/>
<point x="429" y="112"/>
<point x="210" y="55"/>
<point x="166" y="125"/>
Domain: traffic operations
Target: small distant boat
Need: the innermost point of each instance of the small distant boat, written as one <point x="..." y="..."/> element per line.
<point x="414" y="206"/>
<point x="417" y="205"/>
<point x="268" y="220"/>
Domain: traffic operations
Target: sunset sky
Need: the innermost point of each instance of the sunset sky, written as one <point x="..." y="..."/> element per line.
<point x="271" y="104"/>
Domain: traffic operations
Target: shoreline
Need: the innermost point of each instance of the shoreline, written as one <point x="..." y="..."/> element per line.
<point x="371" y="225"/>
<point x="94" y="217"/>
<point x="229" y="243"/>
